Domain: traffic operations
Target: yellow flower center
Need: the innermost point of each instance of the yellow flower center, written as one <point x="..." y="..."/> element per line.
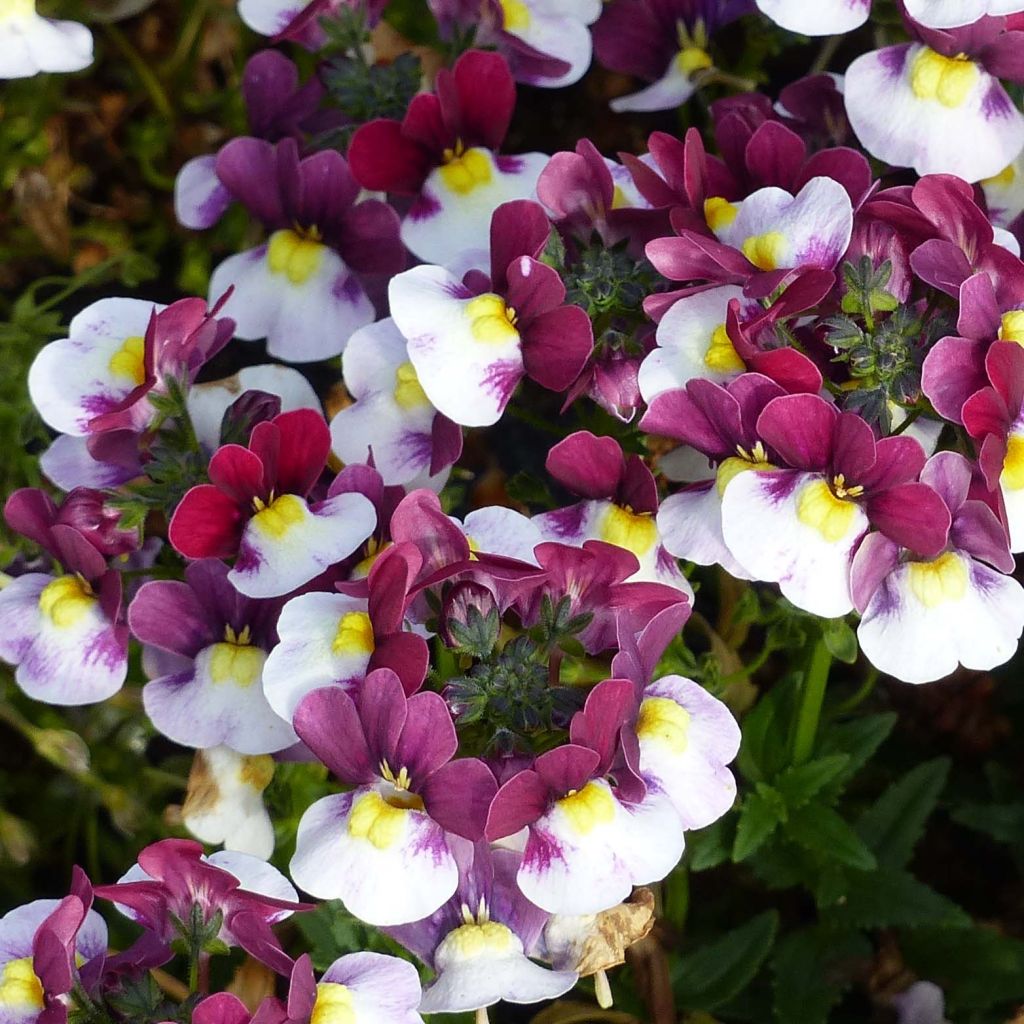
<point x="728" y="469"/>
<point x="236" y="663"/>
<point x="333" y="1005"/>
<point x="941" y="580"/>
<point x="634" y="531"/>
<point x="381" y="822"/>
<point x="17" y="9"/>
<point x="66" y="601"/>
<point x="1012" y="477"/>
<point x="765" y="251"/>
<point x="819" y="508"/>
<point x="409" y="393"/>
<point x="277" y="518"/>
<point x="719" y="212"/>
<point x="515" y="15"/>
<point x="587" y="808"/>
<point x="949" y="80"/>
<point x="256" y="770"/>
<point x="354" y="634"/>
<point x="296" y="256"/>
<point x="466" y="169"/>
<point x="721" y="355"/>
<point x="1012" y="326"/>
<point x="692" y="58"/>
<point x="1004" y="179"/>
<point x="129" y="360"/>
<point x="662" y="720"/>
<point x="20" y="987"/>
<point x="469" y="941"/>
<point x="374" y="549"/>
<point x="491" y="321"/>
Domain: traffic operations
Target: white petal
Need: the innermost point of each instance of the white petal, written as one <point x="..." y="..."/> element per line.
<point x="947" y="13"/>
<point x="29" y="44"/>
<point x="502" y="531"/>
<point x="68" y="464"/>
<point x="558" y="34"/>
<point x="690" y="523"/>
<point x="199" y="197"/>
<point x="269" y="17"/>
<point x="817" y="17"/>
<point x="1004" y="193"/>
<point x="446" y="223"/>
<point x="782" y="527"/>
<point x="672" y="90"/>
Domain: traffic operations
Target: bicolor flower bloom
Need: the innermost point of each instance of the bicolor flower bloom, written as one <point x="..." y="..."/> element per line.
<point x="30" y="43"/>
<point x="585" y="847"/>
<point x="663" y="43"/>
<point x="994" y="417"/>
<point x="224" y="801"/>
<point x="46" y="948"/>
<point x="391" y="421"/>
<point x="923" y="614"/>
<point x="63" y="632"/>
<point x="799" y="525"/>
<point x="937" y="104"/>
<point x="219" y="641"/>
<point x="619" y="507"/>
<point x="385" y="847"/>
<point x="175" y="882"/>
<point x="472" y="343"/>
<point x="330" y="639"/>
<point x="300" y="289"/>
<point x="361" y="988"/>
<point x="480" y="942"/>
<point x="277" y="106"/>
<point x="256" y="509"/>
<point x="445" y="154"/>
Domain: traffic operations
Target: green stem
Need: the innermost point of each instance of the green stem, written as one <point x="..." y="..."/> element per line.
<point x="147" y="79"/>
<point x="812" y="696"/>
<point x="862" y="693"/>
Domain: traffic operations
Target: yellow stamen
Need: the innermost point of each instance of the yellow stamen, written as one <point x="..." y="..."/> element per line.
<point x="466" y="170"/>
<point x="237" y="664"/>
<point x="691" y="59"/>
<point x="377" y="821"/>
<point x="515" y="15"/>
<point x="491" y="320"/>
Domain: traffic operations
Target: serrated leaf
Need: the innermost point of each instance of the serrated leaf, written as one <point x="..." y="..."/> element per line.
<point x="892" y="825"/>
<point x="892" y="898"/>
<point x="1004" y="822"/>
<point x="812" y="968"/>
<point x="765" y="747"/>
<point x="859" y="739"/>
<point x="717" y="972"/>
<point x="760" y="815"/>
<point x="824" y="831"/>
<point x="800" y="783"/>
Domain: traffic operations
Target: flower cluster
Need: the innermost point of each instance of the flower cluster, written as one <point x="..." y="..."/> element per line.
<point x="756" y="355"/>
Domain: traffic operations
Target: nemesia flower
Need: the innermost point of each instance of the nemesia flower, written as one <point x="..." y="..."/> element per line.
<point x="63" y="632"/>
<point x="585" y="847"/>
<point x="994" y="417"/>
<point x="445" y="154"/>
<point x="799" y="525"/>
<point x="30" y="43"/>
<point x="224" y="801"/>
<point x="619" y="506"/>
<point x="480" y="942"/>
<point x="391" y="420"/>
<point x="46" y="948"/>
<point x="384" y="847"/>
<point x="299" y="20"/>
<point x="471" y="344"/>
<point x="332" y="639"/>
<point x="175" y="880"/>
<point x="256" y="508"/>
<point x="936" y="104"/>
<point x="663" y="43"/>
<point x="299" y="290"/>
<point x="219" y="640"/>
<point x="277" y="106"/>
<point x="922" y="614"/>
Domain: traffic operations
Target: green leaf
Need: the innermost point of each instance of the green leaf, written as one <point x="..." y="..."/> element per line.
<point x="823" y="831"/>
<point x="1004" y="822"/>
<point x="801" y="783"/>
<point x="765" y="748"/>
<point x="895" y="822"/>
<point x="719" y="971"/>
<point x="975" y="967"/>
<point x="890" y="898"/>
<point x="840" y="640"/>
<point x="760" y="815"/>
<point x="711" y="846"/>
<point x="859" y="739"/>
<point x="812" y="968"/>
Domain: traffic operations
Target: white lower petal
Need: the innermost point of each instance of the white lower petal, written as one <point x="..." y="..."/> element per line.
<point x="30" y="44"/>
<point x="502" y="531"/>
<point x="817" y="17"/>
<point x="68" y="464"/>
<point x="558" y="34"/>
<point x="690" y="523"/>
<point x="672" y="90"/>
<point x="270" y="17"/>
<point x="199" y="197"/>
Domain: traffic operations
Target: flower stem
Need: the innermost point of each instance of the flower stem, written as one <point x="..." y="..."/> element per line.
<point x="812" y="696"/>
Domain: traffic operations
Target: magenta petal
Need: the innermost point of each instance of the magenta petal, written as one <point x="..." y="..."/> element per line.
<point x="589" y="466"/>
<point x="407" y="655"/>
<point x="709" y="423"/>
<point x="953" y="370"/>
<point x="248" y="168"/>
<point x="486" y="97"/>
<point x="557" y="346"/>
<point x="532" y="288"/>
<point x="876" y="557"/>
<point x="941" y="264"/>
<point x="428" y="737"/>
<point x="897" y="460"/>
<point x="31" y="512"/>
<point x="252" y="932"/>
<point x="328" y="722"/>
<point x="459" y="795"/>
<point x="220" y="1008"/>
<point x="305" y="443"/>
<point x="75" y="553"/>
<point x="445" y="443"/>
<point x="774" y="155"/>
<point x="390" y="579"/>
<point x="518" y="803"/>
<point x="384" y="160"/>
<point x="168" y="614"/>
<point x="382" y="710"/>
<point x="518" y="228"/>
<point x="790" y="369"/>
<point x="914" y="516"/>
<point x="609" y="706"/>
<point x="977" y="529"/>
<point x="419" y="520"/>
<point x="799" y="428"/>
<point x="239" y="474"/>
<point x="567" y="767"/>
<point x="979" y="311"/>
<point x="206" y="523"/>
<point x="369" y="240"/>
<point x="854" y="454"/>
